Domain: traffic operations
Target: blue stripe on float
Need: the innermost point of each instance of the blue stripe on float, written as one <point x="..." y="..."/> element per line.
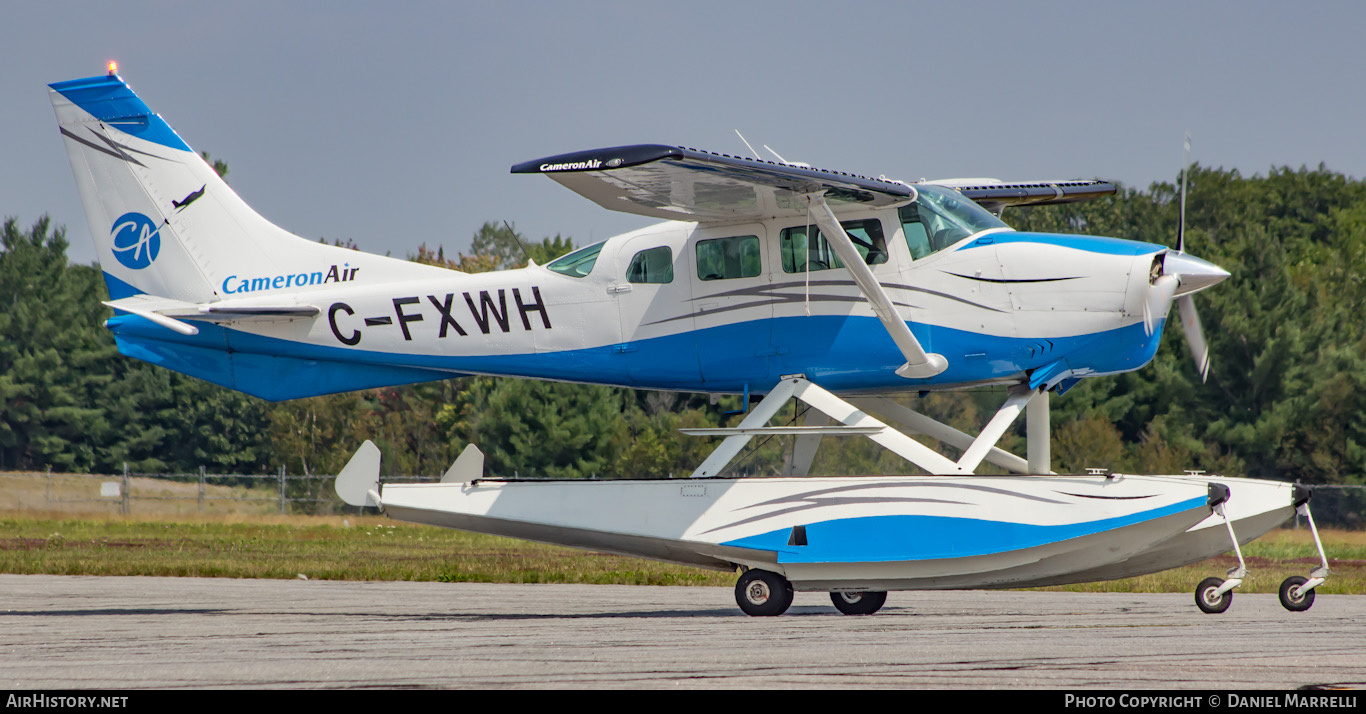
<point x="902" y="538"/>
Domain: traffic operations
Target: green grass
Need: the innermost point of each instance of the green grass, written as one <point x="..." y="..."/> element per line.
<point x="1270" y="560"/>
<point x="351" y="548"/>
<point x="319" y="548"/>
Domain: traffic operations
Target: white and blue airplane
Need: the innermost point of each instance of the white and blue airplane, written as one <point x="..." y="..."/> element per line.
<point x="765" y="279"/>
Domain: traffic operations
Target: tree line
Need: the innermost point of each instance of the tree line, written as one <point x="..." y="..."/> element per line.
<point x="1285" y="399"/>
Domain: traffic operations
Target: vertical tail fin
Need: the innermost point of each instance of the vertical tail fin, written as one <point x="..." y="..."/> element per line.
<point x="163" y="221"/>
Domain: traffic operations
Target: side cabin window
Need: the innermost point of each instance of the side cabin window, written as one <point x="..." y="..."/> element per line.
<point x="579" y="263"/>
<point x="652" y="265"/>
<point x="917" y="237"/>
<point x="799" y="253"/>
<point x="726" y="258"/>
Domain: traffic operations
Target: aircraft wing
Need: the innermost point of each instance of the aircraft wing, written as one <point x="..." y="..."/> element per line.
<point x="995" y="195"/>
<point x="171" y="313"/>
<point x="681" y="184"/>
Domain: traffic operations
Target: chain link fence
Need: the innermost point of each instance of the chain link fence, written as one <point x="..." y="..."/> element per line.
<point x="132" y="493"/>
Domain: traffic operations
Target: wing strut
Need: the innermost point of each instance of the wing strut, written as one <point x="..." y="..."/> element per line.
<point x="919" y="364"/>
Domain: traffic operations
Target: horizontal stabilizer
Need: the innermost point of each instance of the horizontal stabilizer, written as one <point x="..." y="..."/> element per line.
<point x="169" y="313"/>
<point x="681" y="184"/>
<point x="150" y="308"/>
<point x="358" y="482"/>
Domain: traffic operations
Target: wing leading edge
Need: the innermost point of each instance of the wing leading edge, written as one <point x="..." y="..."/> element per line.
<point x="995" y="195"/>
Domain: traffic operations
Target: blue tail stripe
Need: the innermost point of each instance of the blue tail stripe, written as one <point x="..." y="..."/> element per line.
<point x="109" y="99"/>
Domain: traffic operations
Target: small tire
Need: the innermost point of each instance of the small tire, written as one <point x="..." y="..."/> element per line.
<point x="1204" y="596"/>
<point x="762" y="593"/>
<point x="1294" y="604"/>
<point x="858" y="603"/>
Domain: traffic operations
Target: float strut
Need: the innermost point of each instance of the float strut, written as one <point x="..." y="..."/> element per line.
<point x="1235" y="575"/>
<point x="1319" y="574"/>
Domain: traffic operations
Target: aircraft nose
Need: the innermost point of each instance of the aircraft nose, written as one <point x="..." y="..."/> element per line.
<point x="1195" y="274"/>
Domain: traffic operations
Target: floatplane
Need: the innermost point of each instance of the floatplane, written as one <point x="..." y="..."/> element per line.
<point x="767" y="279"/>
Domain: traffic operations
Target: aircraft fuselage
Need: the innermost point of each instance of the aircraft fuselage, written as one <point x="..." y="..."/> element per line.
<point x="1000" y="305"/>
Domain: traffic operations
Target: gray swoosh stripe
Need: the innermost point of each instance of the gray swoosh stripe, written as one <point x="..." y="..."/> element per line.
<point x="1008" y="280"/>
<point x="101" y="149"/>
<point x="936" y="484"/>
<point x="821" y="503"/>
<point x="950" y="297"/>
<point x="123" y="148"/>
<point x="769" y="288"/>
<point x="825" y="492"/>
<point x="775" y="300"/>
<point x="1107" y="498"/>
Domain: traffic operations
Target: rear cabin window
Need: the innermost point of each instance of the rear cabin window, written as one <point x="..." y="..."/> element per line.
<point x="653" y="265"/>
<point x="800" y="255"/>
<point x="726" y="258"/>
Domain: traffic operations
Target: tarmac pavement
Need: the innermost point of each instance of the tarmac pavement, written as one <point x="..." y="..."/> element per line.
<point x="69" y="632"/>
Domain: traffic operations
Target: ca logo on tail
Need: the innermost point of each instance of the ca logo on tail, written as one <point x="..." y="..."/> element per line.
<point x="136" y="243"/>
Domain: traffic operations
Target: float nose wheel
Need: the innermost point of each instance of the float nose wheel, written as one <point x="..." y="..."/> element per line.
<point x="858" y="603"/>
<point x="762" y="593"/>
<point x="1294" y="596"/>
<point x="1297" y="592"/>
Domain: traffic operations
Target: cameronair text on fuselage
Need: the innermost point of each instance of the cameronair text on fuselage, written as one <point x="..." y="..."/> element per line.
<point x="234" y="285"/>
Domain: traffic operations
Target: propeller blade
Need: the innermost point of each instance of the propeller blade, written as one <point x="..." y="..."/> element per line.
<point x="1159" y="301"/>
<point x="1181" y="223"/>
<point x="1195" y="334"/>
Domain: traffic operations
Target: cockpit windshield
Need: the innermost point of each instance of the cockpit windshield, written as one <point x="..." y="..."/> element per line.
<point x="941" y="217"/>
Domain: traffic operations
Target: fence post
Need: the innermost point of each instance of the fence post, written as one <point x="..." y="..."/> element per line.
<point x="125" y="489"/>
<point x="282" y="490"/>
<point x="48" y="496"/>
<point x="201" y="489"/>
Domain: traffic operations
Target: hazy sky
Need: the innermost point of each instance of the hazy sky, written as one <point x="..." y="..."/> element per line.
<point x="395" y="123"/>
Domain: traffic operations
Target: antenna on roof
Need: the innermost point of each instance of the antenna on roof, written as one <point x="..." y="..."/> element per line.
<point x="1181" y="222"/>
<point x="751" y="148"/>
<point x="789" y="163"/>
<point x="513" y="235"/>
